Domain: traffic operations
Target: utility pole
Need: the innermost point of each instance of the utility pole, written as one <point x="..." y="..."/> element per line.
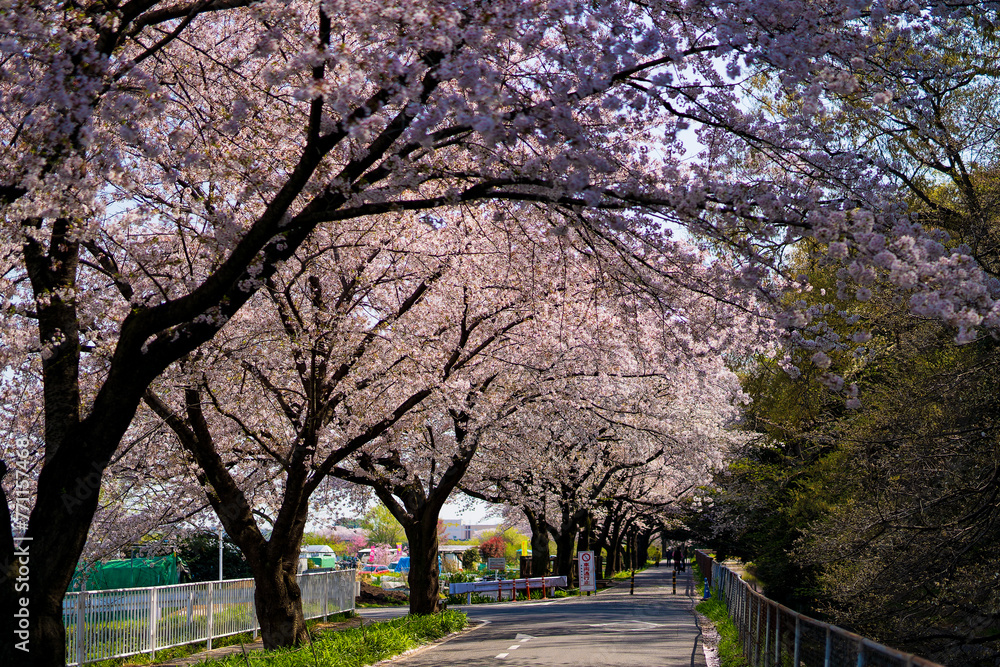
<point x="220" y="553"/>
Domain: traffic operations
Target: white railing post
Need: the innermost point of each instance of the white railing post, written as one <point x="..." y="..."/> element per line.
<point x="211" y="620"/>
<point x="154" y="599"/>
<point x="326" y="596"/>
<point x="81" y="615"/>
<point x="253" y="615"/>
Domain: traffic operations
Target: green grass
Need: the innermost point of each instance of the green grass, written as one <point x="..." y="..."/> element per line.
<point x="730" y="649"/>
<point x="627" y="574"/>
<point x="355" y="647"/>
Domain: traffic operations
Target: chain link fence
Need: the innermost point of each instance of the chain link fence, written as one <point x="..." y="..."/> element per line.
<point x="117" y="623"/>
<point x="772" y="635"/>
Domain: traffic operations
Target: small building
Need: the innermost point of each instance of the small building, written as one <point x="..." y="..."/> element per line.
<point x="454" y="529"/>
<point x="313" y="556"/>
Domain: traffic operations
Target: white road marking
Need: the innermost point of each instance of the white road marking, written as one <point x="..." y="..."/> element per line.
<point x="503" y="655"/>
<point x="511" y="648"/>
<point x="627" y="625"/>
<point x="523" y="638"/>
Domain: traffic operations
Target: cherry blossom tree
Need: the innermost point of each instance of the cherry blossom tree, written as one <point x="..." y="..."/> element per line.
<point x="341" y="354"/>
<point x="161" y="160"/>
<point x="334" y="353"/>
<point x="501" y="309"/>
<point x="638" y="442"/>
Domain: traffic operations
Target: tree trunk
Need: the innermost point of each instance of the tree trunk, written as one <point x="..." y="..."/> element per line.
<point x="423" y="577"/>
<point x="602" y="539"/>
<point x="274" y="561"/>
<point x="39" y="568"/>
<point x="586" y="534"/>
<point x="642" y="548"/>
<point x="279" y="605"/>
<point x="564" y="551"/>
<point x="614" y="551"/>
<point x="539" y="543"/>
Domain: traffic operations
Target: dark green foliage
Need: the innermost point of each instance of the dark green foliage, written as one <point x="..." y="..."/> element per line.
<point x="470" y="557"/>
<point x="201" y="554"/>
<point x="883" y="519"/>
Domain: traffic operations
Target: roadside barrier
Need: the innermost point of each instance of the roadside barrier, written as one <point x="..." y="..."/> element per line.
<point x="128" y="621"/>
<point x="774" y="635"/>
<point x="500" y="587"/>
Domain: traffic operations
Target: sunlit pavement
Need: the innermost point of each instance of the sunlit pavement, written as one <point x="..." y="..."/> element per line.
<point x="651" y="627"/>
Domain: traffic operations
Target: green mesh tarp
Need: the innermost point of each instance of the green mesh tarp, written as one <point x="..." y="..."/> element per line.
<point x="323" y="561"/>
<point x="131" y="573"/>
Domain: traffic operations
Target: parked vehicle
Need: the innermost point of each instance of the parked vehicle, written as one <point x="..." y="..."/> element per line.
<point x="376" y="569"/>
<point x="402" y="565"/>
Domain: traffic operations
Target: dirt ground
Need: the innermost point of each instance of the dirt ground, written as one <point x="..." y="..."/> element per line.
<point x="374" y="595"/>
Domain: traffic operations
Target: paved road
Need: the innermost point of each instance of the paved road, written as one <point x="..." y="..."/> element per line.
<point x="651" y="628"/>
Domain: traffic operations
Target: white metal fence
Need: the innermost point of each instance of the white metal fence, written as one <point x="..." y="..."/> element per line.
<point x="774" y="635"/>
<point x="127" y="621"/>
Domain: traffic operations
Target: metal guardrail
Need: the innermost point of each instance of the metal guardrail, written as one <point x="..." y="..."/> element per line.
<point x="129" y="621"/>
<point x="502" y="586"/>
<point x="775" y="636"/>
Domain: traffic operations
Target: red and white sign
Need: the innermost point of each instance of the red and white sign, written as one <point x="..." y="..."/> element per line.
<point x="588" y="575"/>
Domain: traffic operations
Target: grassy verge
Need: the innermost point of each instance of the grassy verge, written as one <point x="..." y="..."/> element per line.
<point x="355" y="647"/>
<point x="730" y="649"/>
<point x="627" y="574"/>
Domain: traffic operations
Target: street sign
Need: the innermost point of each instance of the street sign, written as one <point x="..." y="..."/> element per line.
<point x="496" y="564"/>
<point x="588" y="575"/>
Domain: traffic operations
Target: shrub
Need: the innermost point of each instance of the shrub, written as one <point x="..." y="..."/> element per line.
<point x="470" y="557"/>
<point x="495" y="547"/>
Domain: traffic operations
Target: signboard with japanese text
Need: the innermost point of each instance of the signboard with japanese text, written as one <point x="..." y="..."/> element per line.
<point x="496" y="564"/>
<point x="588" y="573"/>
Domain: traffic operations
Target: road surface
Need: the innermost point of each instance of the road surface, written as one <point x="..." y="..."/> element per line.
<point x="651" y="628"/>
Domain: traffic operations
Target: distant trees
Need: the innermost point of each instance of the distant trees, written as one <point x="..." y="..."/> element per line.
<point x="493" y="547"/>
<point x="200" y="553"/>
<point x="470" y="557"/>
<point x="381" y="526"/>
